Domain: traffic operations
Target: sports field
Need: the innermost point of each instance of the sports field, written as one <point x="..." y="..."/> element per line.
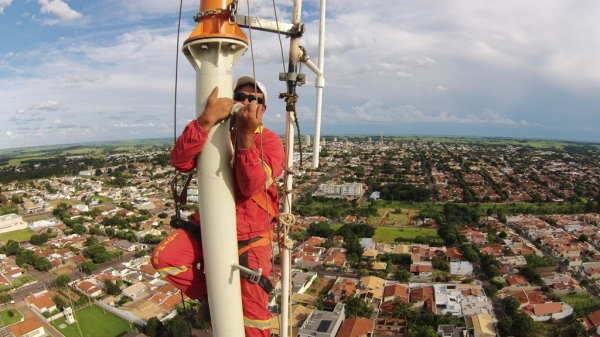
<point x="93" y="322"/>
<point x="388" y="234"/>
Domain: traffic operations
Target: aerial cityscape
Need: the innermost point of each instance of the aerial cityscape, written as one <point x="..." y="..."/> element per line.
<point x="394" y="236"/>
<point x="299" y="168"/>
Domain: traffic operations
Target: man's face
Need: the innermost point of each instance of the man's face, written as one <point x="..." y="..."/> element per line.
<point x="246" y="94"/>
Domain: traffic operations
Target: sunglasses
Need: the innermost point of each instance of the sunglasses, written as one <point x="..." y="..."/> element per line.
<point x="240" y="97"/>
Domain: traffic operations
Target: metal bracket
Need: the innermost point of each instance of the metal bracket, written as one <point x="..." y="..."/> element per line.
<point x="270" y="25"/>
<point x="252" y="275"/>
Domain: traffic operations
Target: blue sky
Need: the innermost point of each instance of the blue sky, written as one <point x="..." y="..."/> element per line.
<point x="80" y="71"/>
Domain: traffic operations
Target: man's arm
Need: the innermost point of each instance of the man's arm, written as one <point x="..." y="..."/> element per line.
<point x="256" y="171"/>
<point x="192" y="140"/>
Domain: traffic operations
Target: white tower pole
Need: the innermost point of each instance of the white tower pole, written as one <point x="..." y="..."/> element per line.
<point x="319" y="84"/>
<point x="294" y="57"/>
<point x="214" y="48"/>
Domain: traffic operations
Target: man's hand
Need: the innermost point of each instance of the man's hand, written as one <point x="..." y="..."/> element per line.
<point x="216" y="110"/>
<point x="248" y="119"/>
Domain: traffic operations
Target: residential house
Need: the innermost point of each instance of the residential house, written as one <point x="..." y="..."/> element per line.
<point x="423" y="298"/>
<point x="41" y="301"/>
<point x="356" y="327"/>
<point x="515" y="261"/>
<point x="422" y="271"/>
<point x="31" y="327"/>
<point x="542" y="312"/>
<point x="515" y="281"/>
<point x="452" y="331"/>
<point x="392" y="293"/>
<point x="481" y="325"/>
<point x="323" y="323"/>
<point x="371" y="289"/>
<point x="135" y="291"/>
<point x="90" y="288"/>
<point x="561" y="284"/>
<point x="301" y="281"/>
<point x="463" y="268"/>
<point x="342" y="288"/>
<point x="454" y="254"/>
<point x="390" y="327"/>
<point x="591" y="322"/>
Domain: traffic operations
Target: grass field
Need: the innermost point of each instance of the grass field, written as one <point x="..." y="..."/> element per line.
<point x="7" y="320"/>
<point x="388" y="234"/>
<point x="19" y="235"/>
<point x="94" y="322"/>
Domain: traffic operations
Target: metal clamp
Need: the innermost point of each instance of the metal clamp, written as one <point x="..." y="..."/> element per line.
<point x="253" y="276"/>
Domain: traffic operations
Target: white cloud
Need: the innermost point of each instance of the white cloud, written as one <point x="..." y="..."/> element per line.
<point x="57" y="121"/>
<point x="45" y="105"/>
<point x="126" y="125"/>
<point x="60" y="9"/>
<point x="3" y="4"/>
<point x="8" y="133"/>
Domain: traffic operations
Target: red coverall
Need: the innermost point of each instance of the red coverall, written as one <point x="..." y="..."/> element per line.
<point x="250" y="178"/>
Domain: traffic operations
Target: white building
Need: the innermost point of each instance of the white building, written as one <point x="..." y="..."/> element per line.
<point x="11" y="222"/>
<point x="341" y="191"/>
<point x="464" y="268"/>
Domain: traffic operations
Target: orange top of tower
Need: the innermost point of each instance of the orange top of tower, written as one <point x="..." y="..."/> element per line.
<point x="215" y="22"/>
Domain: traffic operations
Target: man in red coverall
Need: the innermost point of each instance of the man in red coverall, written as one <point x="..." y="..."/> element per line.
<point x="259" y="158"/>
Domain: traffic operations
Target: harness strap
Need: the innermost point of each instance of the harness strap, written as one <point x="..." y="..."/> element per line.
<point x="244" y="247"/>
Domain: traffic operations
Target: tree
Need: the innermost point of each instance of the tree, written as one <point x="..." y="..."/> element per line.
<point x="401" y="309"/>
<point x="321" y="229"/>
<point x="357" y="307"/>
<point x="42" y="264"/>
<point x="61" y="280"/>
<point x="583" y="238"/>
<point x="402" y="276"/>
<point x="505" y="326"/>
<point x="154" y="327"/>
<point x="490" y="290"/>
<point x="97" y="253"/>
<point x="111" y="288"/>
<point x="12" y="247"/>
<point x="511" y="306"/>
<point x="5" y="297"/>
<point x="89" y="266"/>
<point x="576" y="329"/>
<point x="178" y="326"/>
<point x="524" y="326"/>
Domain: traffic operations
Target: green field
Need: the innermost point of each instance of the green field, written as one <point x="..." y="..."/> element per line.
<point x="533" y="143"/>
<point x="19" y="235"/>
<point x="94" y="322"/>
<point x="6" y="320"/>
<point x="14" y="157"/>
<point x="388" y="234"/>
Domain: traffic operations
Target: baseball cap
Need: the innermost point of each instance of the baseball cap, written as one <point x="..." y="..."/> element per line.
<point x="250" y="80"/>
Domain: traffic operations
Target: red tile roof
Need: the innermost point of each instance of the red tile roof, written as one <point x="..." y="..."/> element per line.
<point x="355" y="327"/>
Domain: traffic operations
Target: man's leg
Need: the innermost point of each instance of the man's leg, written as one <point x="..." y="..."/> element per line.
<point x="257" y="318"/>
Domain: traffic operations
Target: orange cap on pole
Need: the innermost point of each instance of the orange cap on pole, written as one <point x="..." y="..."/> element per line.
<point x="216" y="21"/>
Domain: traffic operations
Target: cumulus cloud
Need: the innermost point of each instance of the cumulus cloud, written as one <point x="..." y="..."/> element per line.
<point x="3" y="4"/>
<point x="8" y="133"/>
<point x="75" y="81"/>
<point x="45" y="105"/>
<point x="59" y="9"/>
<point x="374" y="113"/>
<point x="131" y="125"/>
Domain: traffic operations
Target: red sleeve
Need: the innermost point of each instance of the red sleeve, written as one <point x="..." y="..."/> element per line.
<point x="188" y="146"/>
<point x="250" y="173"/>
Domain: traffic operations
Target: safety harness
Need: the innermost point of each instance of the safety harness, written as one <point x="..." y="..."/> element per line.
<point x="244" y="246"/>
